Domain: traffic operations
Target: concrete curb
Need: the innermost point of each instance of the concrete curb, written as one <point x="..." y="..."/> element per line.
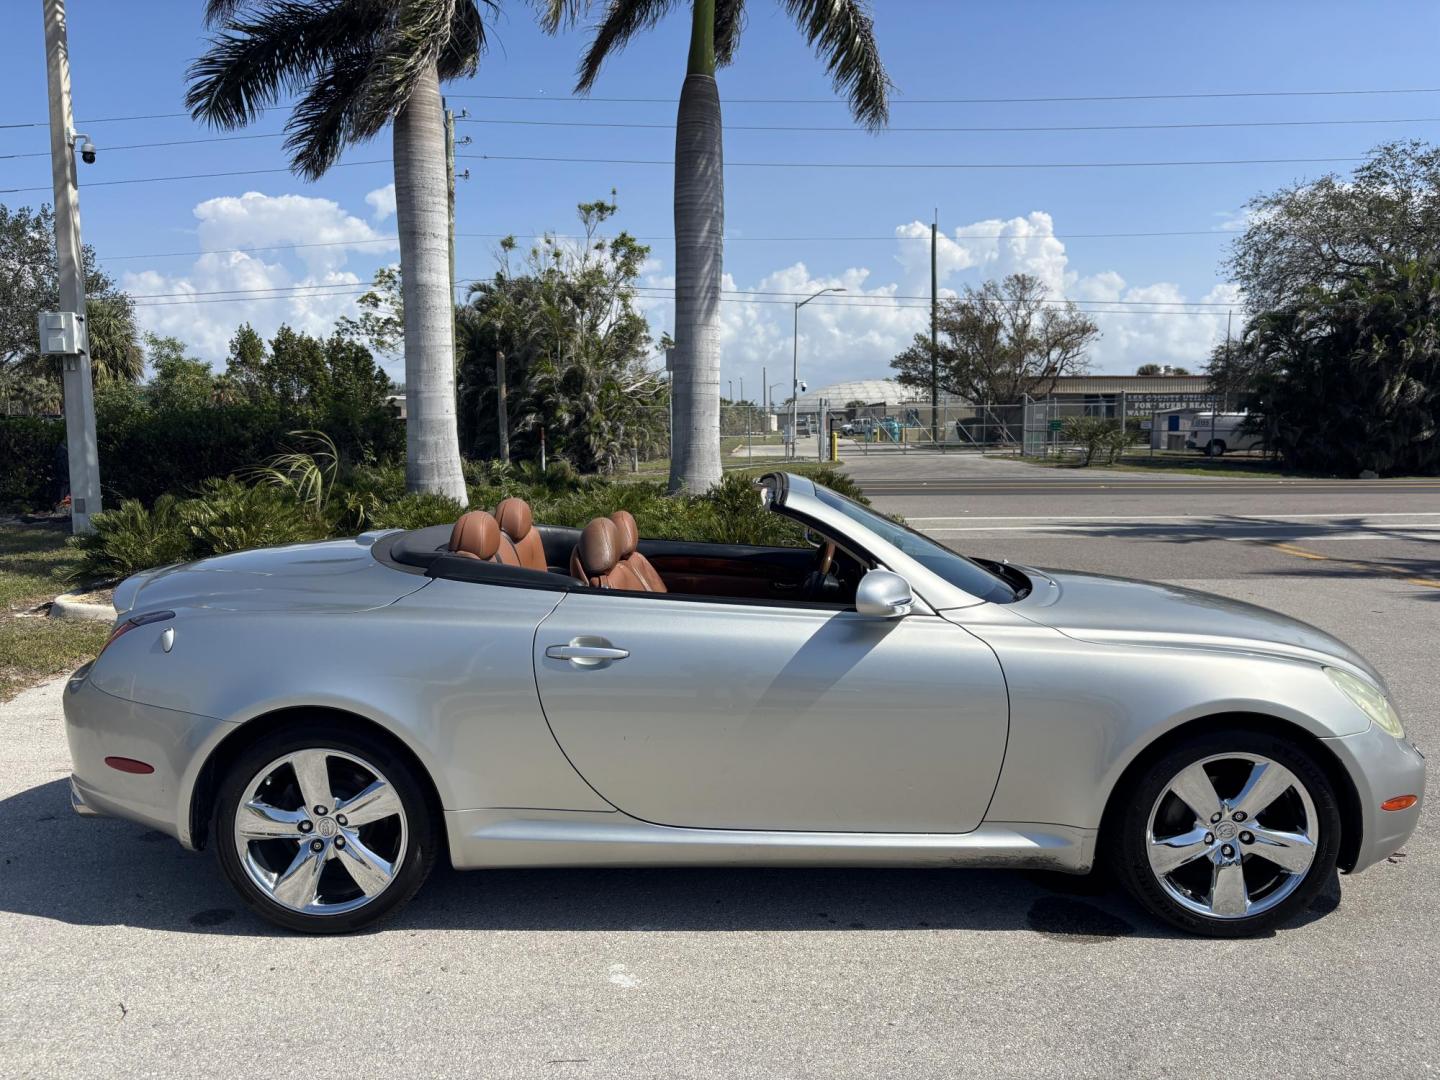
<point x="70" y="606"/>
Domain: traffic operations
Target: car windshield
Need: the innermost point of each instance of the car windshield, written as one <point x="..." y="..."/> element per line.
<point x="959" y="571"/>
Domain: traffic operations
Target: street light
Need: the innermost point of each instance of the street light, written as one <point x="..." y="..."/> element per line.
<point x="795" y="368"/>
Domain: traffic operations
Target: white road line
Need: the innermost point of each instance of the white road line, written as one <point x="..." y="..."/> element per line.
<point x="1187" y="518"/>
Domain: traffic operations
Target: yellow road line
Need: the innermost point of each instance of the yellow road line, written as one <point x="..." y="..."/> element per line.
<point x="1372" y="567"/>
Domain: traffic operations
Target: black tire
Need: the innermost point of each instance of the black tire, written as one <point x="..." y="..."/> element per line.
<point x="1126" y="841"/>
<point x="422" y="839"/>
<point x="1216" y="448"/>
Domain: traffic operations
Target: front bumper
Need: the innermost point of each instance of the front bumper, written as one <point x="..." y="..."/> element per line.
<point x="176" y="744"/>
<point x="1381" y="767"/>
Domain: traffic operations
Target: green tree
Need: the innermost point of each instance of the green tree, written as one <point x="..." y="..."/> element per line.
<point x="1149" y="369"/>
<point x="1348" y="379"/>
<point x="381" y="324"/>
<point x="842" y="33"/>
<point x="356" y="66"/>
<point x="1000" y="342"/>
<point x="1320" y="234"/>
<point x="30" y="284"/>
<point x="576" y="351"/>
<point x="177" y="381"/>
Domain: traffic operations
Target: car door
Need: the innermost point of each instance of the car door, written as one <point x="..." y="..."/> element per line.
<point x="715" y="714"/>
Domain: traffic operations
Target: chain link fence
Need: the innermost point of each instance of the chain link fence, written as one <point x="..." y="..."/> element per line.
<point x="752" y="435"/>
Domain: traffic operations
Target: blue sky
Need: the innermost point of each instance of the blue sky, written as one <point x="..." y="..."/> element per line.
<point x="130" y="59"/>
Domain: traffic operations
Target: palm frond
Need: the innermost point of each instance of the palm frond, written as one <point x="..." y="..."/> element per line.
<point x="555" y="14"/>
<point x="416" y="35"/>
<point x="843" y="34"/>
<point x="327" y="118"/>
<point x="219" y="12"/>
<point x="729" y="23"/>
<point x="623" y="20"/>
<point x="467" y="42"/>
<point x="253" y="61"/>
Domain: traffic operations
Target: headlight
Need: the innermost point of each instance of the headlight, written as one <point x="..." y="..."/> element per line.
<point x="1372" y="702"/>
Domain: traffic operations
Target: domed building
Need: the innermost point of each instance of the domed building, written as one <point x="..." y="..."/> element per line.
<point x="884" y="392"/>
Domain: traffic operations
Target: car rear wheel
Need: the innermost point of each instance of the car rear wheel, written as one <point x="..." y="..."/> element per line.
<point x="1215" y="448"/>
<point x="1229" y="834"/>
<point x="323" y="831"/>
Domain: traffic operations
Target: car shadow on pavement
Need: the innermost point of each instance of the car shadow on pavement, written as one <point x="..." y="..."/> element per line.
<point x="106" y="872"/>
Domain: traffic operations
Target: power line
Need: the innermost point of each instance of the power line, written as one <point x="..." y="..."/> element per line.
<point x="1036" y="129"/>
<point x="1196" y="96"/>
<point x="923" y="165"/>
<point x="1026" y="237"/>
<point x="190" y="176"/>
<point x="1212" y="94"/>
<point x="657" y="292"/>
<point x="152" y="145"/>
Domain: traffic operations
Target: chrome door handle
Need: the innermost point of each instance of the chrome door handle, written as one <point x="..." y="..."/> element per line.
<point x="586" y="655"/>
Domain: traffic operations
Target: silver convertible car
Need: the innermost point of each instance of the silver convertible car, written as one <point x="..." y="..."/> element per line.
<point x="334" y="717"/>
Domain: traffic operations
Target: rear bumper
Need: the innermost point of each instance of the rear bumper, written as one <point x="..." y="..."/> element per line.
<point x="1382" y="767"/>
<point x="175" y="744"/>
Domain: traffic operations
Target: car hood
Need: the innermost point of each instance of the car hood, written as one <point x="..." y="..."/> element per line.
<point x="329" y="575"/>
<point x="1113" y="610"/>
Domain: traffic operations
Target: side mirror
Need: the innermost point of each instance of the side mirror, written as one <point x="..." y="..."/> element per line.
<point x="883" y="594"/>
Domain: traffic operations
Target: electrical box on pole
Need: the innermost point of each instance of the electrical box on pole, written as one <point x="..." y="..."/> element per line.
<point x="62" y="333"/>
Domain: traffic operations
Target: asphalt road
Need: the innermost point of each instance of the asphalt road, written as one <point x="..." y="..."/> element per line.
<point x="124" y="956"/>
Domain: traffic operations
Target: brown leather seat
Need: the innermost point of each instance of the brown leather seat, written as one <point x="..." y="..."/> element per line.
<point x="596" y="559"/>
<point x="631" y="557"/>
<point x="513" y="516"/>
<point x="476" y="536"/>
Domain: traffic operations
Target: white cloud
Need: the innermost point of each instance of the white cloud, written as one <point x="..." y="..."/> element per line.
<point x="328" y="235"/>
<point x="382" y="202"/>
<point x="855" y="336"/>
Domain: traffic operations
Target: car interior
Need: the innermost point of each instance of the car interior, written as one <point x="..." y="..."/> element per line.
<point x="507" y="547"/>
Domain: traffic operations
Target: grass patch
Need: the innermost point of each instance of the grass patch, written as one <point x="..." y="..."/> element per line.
<point x="1186" y="464"/>
<point x="33" y="562"/>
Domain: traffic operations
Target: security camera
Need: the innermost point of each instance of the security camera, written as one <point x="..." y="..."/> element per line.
<point x="87" y="149"/>
<point x="803" y="387"/>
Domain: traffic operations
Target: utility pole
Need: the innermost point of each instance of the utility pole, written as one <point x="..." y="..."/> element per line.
<point x="450" y="189"/>
<point x="935" y="329"/>
<point x="502" y="406"/>
<point x="80" y="440"/>
<point x="1214" y="398"/>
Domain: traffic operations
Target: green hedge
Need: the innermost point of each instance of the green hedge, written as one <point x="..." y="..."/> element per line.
<point x="28" y="460"/>
<point x="147" y="452"/>
<point x="227" y="515"/>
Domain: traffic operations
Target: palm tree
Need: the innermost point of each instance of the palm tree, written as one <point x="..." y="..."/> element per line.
<point x="357" y="65"/>
<point x="843" y="36"/>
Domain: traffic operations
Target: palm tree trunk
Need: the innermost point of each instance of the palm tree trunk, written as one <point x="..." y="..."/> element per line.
<point x="432" y="442"/>
<point x="699" y="261"/>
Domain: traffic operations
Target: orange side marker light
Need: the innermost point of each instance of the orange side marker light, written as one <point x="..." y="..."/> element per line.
<point x="1399" y="802"/>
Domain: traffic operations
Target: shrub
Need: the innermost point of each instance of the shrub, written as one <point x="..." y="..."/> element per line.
<point x="1095" y="435"/>
<point x="30" y="478"/>
<point x="412" y="512"/>
<point x="130" y="539"/>
<point x="229" y="516"/>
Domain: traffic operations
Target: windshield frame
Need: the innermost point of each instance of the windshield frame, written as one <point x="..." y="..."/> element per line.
<point x="866" y="530"/>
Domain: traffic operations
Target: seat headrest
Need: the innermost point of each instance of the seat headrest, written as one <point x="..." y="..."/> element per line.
<point x="475" y="534"/>
<point x="514" y="517"/>
<point x="599" y="547"/>
<point x="628" y="530"/>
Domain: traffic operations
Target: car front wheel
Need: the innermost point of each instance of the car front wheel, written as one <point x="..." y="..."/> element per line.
<point x="1229" y="834"/>
<point x="323" y="831"/>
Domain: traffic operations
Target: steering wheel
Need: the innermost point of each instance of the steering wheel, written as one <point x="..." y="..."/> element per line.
<point x="825" y="557"/>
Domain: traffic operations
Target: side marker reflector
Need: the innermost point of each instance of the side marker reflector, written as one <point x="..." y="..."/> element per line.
<point x="130" y="765"/>
<point x="1399" y="802"/>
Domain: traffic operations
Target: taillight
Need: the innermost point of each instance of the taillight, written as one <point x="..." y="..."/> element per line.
<point x="131" y="623"/>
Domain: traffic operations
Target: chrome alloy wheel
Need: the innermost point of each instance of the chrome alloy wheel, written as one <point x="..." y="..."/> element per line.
<point x="1232" y="835"/>
<point x="320" y="831"/>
